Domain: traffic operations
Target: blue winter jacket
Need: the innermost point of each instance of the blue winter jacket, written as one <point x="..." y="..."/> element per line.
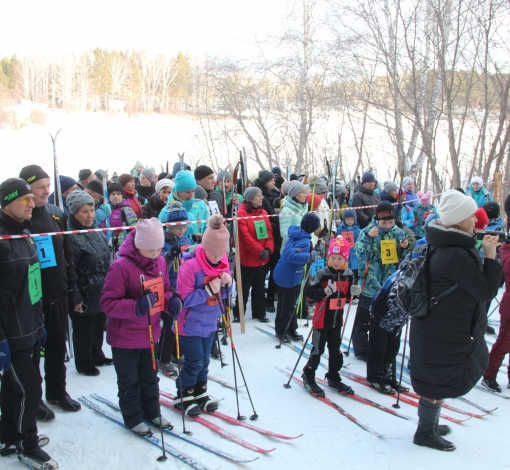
<point x="353" y="262"/>
<point x="290" y="267"/>
<point x="496" y="224"/>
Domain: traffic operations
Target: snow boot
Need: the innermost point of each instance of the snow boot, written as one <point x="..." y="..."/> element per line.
<point x="37" y="459"/>
<point x="168" y="369"/>
<point x="394" y="384"/>
<point x="204" y="402"/>
<point x="44" y="413"/>
<point x="337" y="384"/>
<point x="284" y="339"/>
<point x="295" y="336"/>
<point x="66" y="403"/>
<point x="187" y="403"/>
<point x="426" y="435"/>
<point x="310" y="384"/>
<point x="165" y="424"/>
<point x="492" y="385"/>
<point x="381" y="386"/>
<point x="443" y="430"/>
<point x="142" y="430"/>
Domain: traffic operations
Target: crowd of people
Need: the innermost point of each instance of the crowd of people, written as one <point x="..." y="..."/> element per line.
<point x="149" y="283"/>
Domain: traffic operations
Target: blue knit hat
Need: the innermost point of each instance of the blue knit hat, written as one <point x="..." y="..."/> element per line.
<point x="66" y="182"/>
<point x="184" y="181"/>
<point x="310" y="223"/>
<point x="350" y="213"/>
<point x="176" y="213"/>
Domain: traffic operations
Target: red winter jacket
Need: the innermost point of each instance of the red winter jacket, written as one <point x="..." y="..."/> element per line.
<point x="250" y="246"/>
<point x="504" y="309"/>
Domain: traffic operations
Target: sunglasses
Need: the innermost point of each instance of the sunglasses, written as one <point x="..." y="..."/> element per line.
<point x="27" y="199"/>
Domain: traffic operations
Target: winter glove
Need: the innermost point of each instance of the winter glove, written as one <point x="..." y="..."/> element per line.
<point x="173" y="253"/>
<point x="175" y="305"/>
<point x="330" y="289"/>
<point x="226" y="279"/>
<point x="197" y="237"/>
<point x="42" y="341"/>
<point x="314" y="256"/>
<point x="355" y="290"/>
<point x="5" y="356"/>
<point x="144" y="304"/>
<point x="107" y="209"/>
<point x="71" y="301"/>
<point x="265" y="254"/>
<point x="215" y="285"/>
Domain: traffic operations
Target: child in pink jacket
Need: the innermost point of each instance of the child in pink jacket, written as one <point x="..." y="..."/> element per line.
<point x="201" y="282"/>
<point x="128" y="306"/>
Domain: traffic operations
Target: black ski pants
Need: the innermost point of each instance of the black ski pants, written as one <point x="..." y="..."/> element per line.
<point x="20" y="397"/>
<point x="361" y="327"/>
<point x="331" y="336"/>
<point x="383" y="348"/>
<point x="138" y="385"/>
<point x="271" y="285"/>
<point x="88" y="333"/>
<point x="166" y="343"/>
<point x="254" y="278"/>
<point x="285" y="311"/>
<point x="56" y="324"/>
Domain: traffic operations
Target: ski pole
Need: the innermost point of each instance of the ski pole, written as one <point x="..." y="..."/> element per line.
<point x="176" y="327"/>
<point x="217" y="339"/>
<point x="163" y="457"/>
<point x="495" y="308"/>
<point x="396" y="405"/>
<point x="254" y="416"/>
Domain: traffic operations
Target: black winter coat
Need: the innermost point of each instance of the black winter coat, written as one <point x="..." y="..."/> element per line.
<point x="365" y="197"/>
<point x="152" y="207"/>
<point x="21" y="316"/>
<point x="448" y="349"/>
<point x="91" y="256"/>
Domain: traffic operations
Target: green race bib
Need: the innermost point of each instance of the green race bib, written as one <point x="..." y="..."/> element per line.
<point x="34" y="283"/>
<point x="260" y="229"/>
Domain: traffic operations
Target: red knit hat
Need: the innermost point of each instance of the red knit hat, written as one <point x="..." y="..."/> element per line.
<point x="315" y="201"/>
<point x="339" y="246"/>
<point x="482" y="219"/>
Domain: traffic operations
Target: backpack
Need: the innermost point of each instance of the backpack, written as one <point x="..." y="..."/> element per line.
<point x="412" y="287"/>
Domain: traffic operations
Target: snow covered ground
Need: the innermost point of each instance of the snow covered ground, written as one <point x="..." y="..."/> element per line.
<point x="86" y="440"/>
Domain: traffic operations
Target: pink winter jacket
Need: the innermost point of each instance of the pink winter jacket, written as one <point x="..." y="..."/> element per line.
<point x="121" y="290"/>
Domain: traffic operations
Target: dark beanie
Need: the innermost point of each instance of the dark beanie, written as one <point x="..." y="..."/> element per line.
<point x="384" y="211"/>
<point x="368" y="178"/>
<point x="203" y="171"/>
<point x="265" y="176"/>
<point x="125" y="178"/>
<point x="12" y="189"/>
<point x="278" y="181"/>
<point x="276" y="171"/>
<point x="293" y="177"/>
<point x="66" y="182"/>
<point x="492" y="209"/>
<point x="84" y="174"/>
<point x="114" y="187"/>
<point x="32" y="173"/>
<point x="95" y="186"/>
<point x="310" y="223"/>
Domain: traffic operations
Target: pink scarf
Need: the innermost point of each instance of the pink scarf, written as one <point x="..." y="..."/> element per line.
<point x="209" y="270"/>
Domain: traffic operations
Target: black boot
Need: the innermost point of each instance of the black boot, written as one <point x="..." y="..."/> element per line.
<point x="379" y="383"/>
<point x="203" y="400"/>
<point x="426" y="434"/>
<point x="309" y="382"/>
<point x="336" y="383"/>
<point x="187" y="402"/>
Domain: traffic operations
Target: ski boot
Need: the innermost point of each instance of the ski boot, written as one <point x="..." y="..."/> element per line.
<point x="168" y="369"/>
<point x="337" y="384"/>
<point x="37" y="459"/>
<point x="142" y="430"/>
<point x="310" y="384"/>
<point x="66" y="403"/>
<point x="381" y="386"/>
<point x="284" y="339"/>
<point x="163" y="423"/>
<point x="204" y="402"/>
<point x="394" y="384"/>
<point x="492" y="385"/>
<point x="295" y="336"/>
<point x="187" y="402"/>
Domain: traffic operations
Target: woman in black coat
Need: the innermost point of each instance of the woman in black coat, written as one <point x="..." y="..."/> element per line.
<point x="448" y="350"/>
<point x="91" y="261"/>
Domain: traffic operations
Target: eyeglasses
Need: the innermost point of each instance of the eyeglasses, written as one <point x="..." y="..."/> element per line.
<point x="27" y="199"/>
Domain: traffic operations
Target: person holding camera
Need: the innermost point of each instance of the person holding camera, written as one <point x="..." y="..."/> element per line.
<point x="448" y="350"/>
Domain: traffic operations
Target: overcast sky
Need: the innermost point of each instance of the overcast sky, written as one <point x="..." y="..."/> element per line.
<point x="162" y="26"/>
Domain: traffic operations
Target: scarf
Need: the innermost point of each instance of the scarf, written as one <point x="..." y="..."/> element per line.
<point x="209" y="270"/>
<point x="133" y="202"/>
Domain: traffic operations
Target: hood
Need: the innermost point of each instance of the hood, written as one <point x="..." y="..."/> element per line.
<point x="128" y="250"/>
<point x="441" y="236"/>
<point x="386" y="197"/>
<point x="295" y="234"/>
<point x="293" y="205"/>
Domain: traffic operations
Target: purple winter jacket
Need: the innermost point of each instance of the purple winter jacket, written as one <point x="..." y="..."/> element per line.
<point x="122" y="289"/>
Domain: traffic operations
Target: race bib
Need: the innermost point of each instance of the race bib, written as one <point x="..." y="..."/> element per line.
<point x="260" y="229"/>
<point x="157" y="288"/>
<point x="34" y="283"/>
<point x="389" y="251"/>
<point x="317" y="265"/>
<point x="212" y="207"/>
<point x="337" y="304"/>
<point x="46" y="252"/>
<point x="349" y="236"/>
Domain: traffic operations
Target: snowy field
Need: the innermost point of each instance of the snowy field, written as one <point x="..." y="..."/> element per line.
<point x="86" y="440"/>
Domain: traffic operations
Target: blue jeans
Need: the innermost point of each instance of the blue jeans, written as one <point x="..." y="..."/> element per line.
<point x="196" y="352"/>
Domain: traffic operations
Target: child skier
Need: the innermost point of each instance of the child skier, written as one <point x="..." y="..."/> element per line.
<point x="350" y="224"/>
<point x="199" y="282"/>
<point x="422" y="211"/>
<point x="132" y="307"/>
<point x="122" y="215"/>
<point x="289" y="272"/>
<point x="330" y="289"/>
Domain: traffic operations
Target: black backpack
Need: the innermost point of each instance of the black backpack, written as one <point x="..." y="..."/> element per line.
<point x="413" y="295"/>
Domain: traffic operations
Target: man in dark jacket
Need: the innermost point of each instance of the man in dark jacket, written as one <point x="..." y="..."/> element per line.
<point x="21" y="327"/>
<point x="205" y="178"/>
<point x="58" y="283"/>
<point x="364" y="195"/>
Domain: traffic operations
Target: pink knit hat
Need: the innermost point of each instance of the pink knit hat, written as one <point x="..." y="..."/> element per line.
<point x="216" y="236"/>
<point x="149" y="234"/>
<point x="425" y="198"/>
<point x="339" y="246"/>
